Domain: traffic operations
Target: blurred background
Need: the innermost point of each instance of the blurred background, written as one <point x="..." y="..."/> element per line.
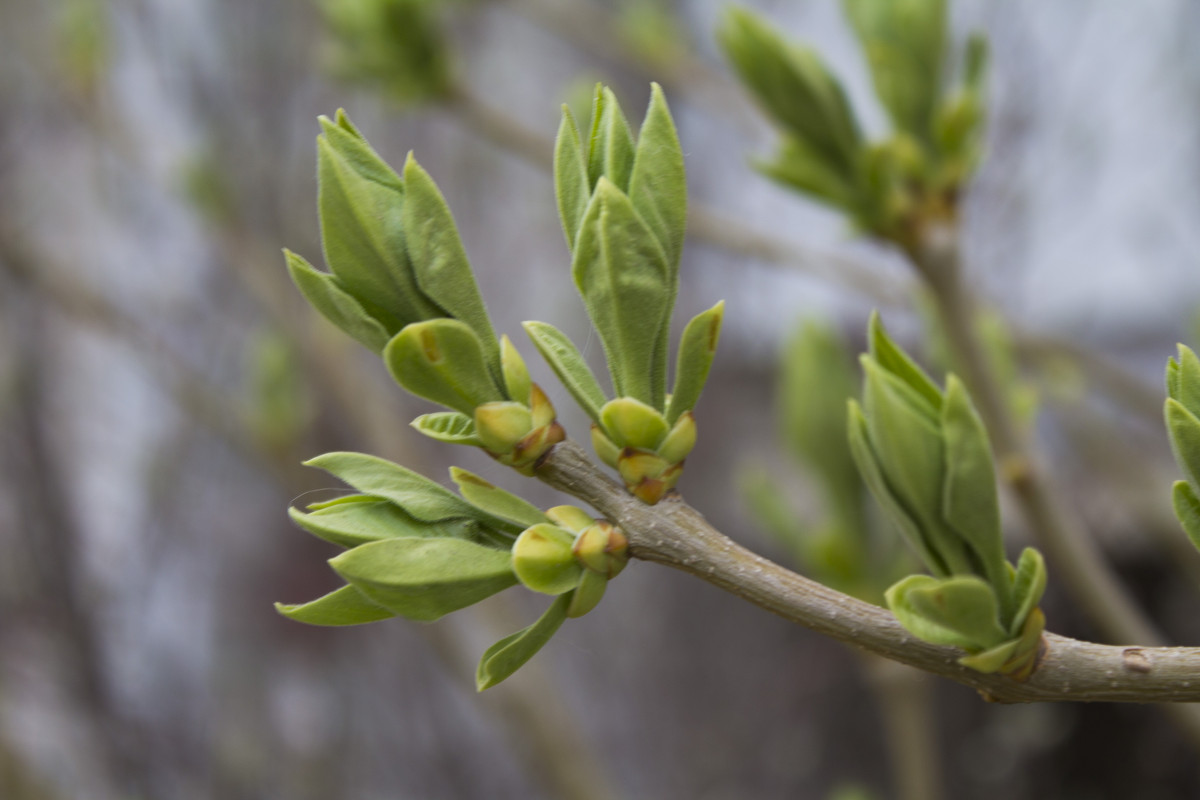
<point x="161" y="381"/>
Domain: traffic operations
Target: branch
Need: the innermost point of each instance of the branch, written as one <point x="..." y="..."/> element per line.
<point x="675" y="534"/>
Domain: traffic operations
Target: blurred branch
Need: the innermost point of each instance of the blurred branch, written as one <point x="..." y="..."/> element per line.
<point x="676" y="535"/>
<point x="904" y="699"/>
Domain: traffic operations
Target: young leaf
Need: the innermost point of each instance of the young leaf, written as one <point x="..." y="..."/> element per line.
<point x="1187" y="509"/>
<point x="344" y="606"/>
<point x="799" y="166"/>
<point x="970" y="504"/>
<point x="905" y="44"/>
<point x="572" y="189"/>
<point x="416" y="494"/>
<point x="625" y="282"/>
<point x="439" y="262"/>
<point x="610" y="149"/>
<point x="325" y="294"/>
<point x="958" y="611"/>
<point x="889" y="501"/>
<point x="564" y="358"/>
<point x="361" y="201"/>
<point x="657" y="185"/>
<point x="496" y="501"/>
<point x="795" y="88"/>
<point x="442" y="360"/>
<point x="450" y="427"/>
<point x="351" y="524"/>
<point x="897" y="362"/>
<point x="510" y="653"/>
<point x="424" y="579"/>
<point x="909" y="447"/>
<point x="588" y="594"/>
<point x="517" y="382"/>
<point x="1028" y="586"/>
<point x="1184" y="430"/>
<point x="696" y="350"/>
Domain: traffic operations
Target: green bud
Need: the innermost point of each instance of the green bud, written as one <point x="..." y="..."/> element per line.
<point x="543" y="560"/>
<point x="631" y="423"/>
<point x="500" y="426"/>
<point x="602" y="548"/>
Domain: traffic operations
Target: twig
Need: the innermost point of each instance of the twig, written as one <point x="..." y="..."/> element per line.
<point x="675" y="534"/>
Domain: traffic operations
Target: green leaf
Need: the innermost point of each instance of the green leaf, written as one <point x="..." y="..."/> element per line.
<point x="450" y="427"/>
<point x="896" y="361"/>
<point x="625" y="282"/>
<point x="326" y="295"/>
<point x="344" y="606"/>
<point x="1187" y="509"/>
<point x="510" y="653"/>
<point x="572" y="188"/>
<point x="993" y="659"/>
<point x="909" y="448"/>
<point x="958" y="611"/>
<point x="696" y="351"/>
<point x="970" y="504"/>
<point x="891" y="503"/>
<point x="424" y="579"/>
<point x="443" y="361"/>
<point x="905" y="44"/>
<point x="588" y="594"/>
<point x="794" y="86"/>
<point x="350" y="524"/>
<point x="1184" y="430"/>
<point x="415" y="494"/>
<point x="517" y="382"/>
<point x="544" y="561"/>
<point x="496" y="501"/>
<point x="564" y="358"/>
<point x="610" y="149"/>
<point x="1186" y="381"/>
<point x="439" y="262"/>
<point x="1028" y="586"/>
<point x="658" y="185"/>
<point x="361" y="200"/>
<point x="801" y="167"/>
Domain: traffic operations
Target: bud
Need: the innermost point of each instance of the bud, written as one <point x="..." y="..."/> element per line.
<point x="543" y="560"/>
<point x="636" y="441"/>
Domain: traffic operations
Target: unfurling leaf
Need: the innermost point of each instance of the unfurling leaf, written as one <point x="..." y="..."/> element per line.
<point x="442" y="360"/>
<point x="512" y="652"/>
<point x="344" y="606"/>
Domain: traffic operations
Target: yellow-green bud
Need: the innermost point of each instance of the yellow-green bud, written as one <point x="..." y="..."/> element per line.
<point x="544" y="561"/>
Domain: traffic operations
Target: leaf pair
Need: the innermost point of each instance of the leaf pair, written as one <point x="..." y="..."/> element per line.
<point x="414" y="549"/>
<point x="392" y="245"/>
<point x="1182" y="412"/>
<point x="623" y="206"/>
<point x="925" y="456"/>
